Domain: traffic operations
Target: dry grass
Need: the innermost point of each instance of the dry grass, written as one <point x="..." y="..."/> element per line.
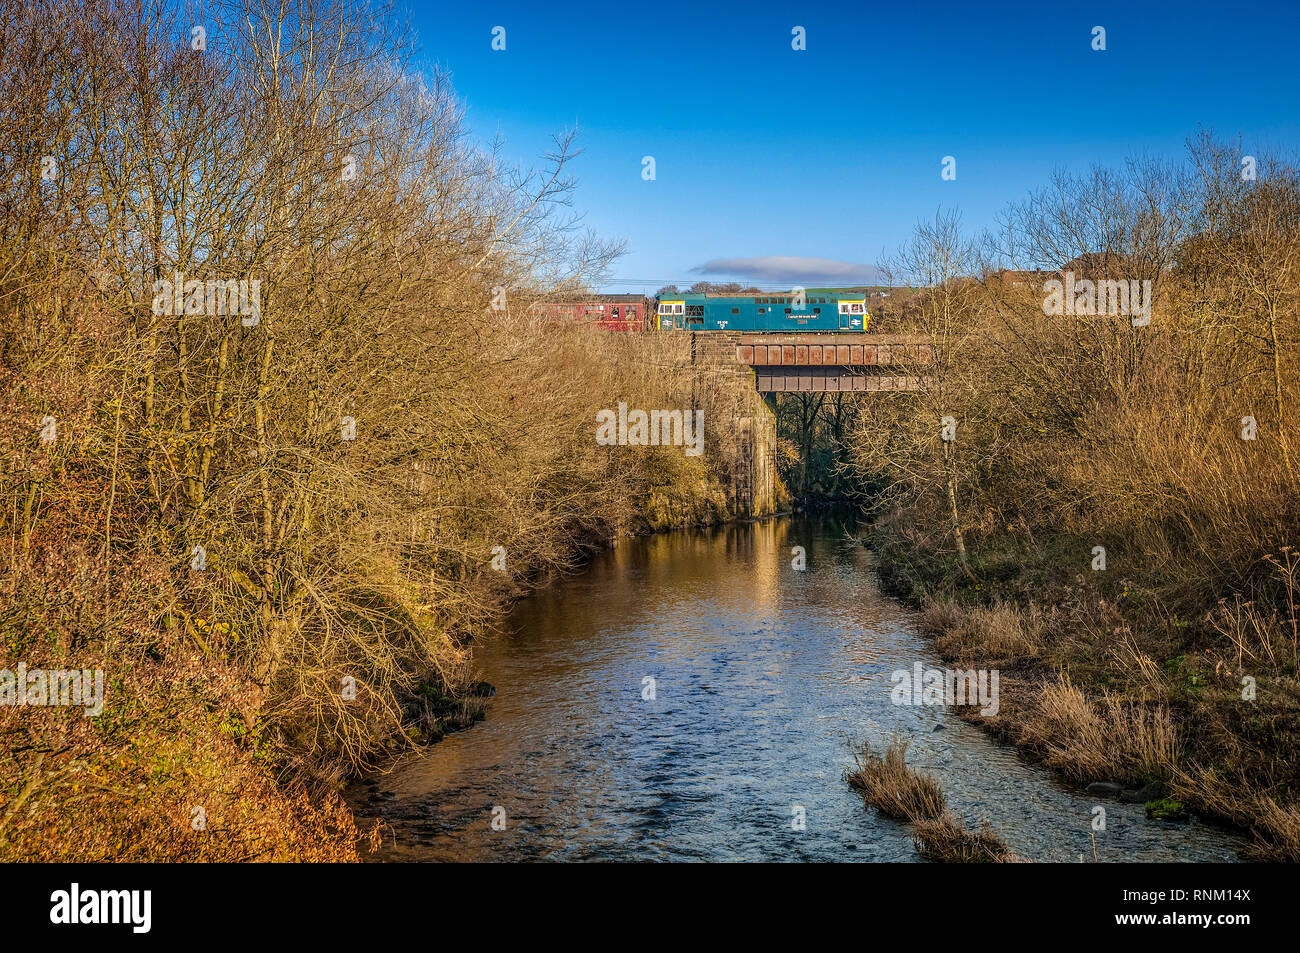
<point x="944" y="839"/>
<point x="1262" y="637"/>
<point x="892" y="788"/>
<point x="941" y="614"/>
<point x="1229" y="760"/>
<point x="996" y="634"/>
<point x="1276" y="825"/>
<point x="1109" y="739"/>
<point x="1150" y="698"/>
<point x="895" y="790"/>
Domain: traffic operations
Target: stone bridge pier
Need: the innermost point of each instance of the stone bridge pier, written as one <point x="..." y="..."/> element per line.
<point x="791" y="362"/>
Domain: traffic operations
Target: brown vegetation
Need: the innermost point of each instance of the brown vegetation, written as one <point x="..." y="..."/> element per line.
<point x="274" y="603"/>
<point x="892" y="788"/>
<point x="1169" y="444"/>
<point x="944" y="839"/>
<point x="895" y="790"/>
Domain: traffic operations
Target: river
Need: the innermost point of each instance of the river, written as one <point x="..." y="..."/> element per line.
<point x="764" y="677"/>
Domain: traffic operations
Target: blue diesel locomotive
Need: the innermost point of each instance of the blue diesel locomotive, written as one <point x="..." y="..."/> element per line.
<point x="813" y="310"/>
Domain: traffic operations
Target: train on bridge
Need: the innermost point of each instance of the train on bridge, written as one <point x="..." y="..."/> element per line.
<point x="807" y="311"/>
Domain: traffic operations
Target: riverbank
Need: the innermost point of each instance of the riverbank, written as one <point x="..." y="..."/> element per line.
<point x="1106" y="509"/>
<point x="230" y="721"/>
<point x="196" y="754"/>
<point x="1107" y="688"/>
<point x="275" y="536"/>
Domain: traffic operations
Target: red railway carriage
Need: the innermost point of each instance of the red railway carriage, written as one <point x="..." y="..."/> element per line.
<point x="607" y="312"/>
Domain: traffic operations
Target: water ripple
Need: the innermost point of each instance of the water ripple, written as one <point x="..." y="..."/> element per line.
<point x="763" y="678"/>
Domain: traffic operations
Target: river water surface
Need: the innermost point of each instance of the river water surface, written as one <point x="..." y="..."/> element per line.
<point x="764" y="677"/>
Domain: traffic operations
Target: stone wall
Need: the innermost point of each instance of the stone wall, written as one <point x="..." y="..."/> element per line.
<point x="756" y="489"/>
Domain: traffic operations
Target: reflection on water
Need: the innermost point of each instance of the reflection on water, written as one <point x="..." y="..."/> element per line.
<point x="763" y="676"/>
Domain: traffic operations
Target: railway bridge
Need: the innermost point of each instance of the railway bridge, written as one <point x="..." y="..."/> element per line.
<point x="784" y="361"/>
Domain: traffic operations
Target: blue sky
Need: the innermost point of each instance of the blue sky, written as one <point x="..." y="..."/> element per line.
<point x="835" y="152"/>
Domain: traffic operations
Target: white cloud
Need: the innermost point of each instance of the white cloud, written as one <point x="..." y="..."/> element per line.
<point x="790" y="269"/>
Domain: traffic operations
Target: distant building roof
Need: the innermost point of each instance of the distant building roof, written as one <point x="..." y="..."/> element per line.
<point x="592" y="298"/>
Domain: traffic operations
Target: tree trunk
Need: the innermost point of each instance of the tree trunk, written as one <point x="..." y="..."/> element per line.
<point x="1277" y="395"/>
<point x="952" y="509"/>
